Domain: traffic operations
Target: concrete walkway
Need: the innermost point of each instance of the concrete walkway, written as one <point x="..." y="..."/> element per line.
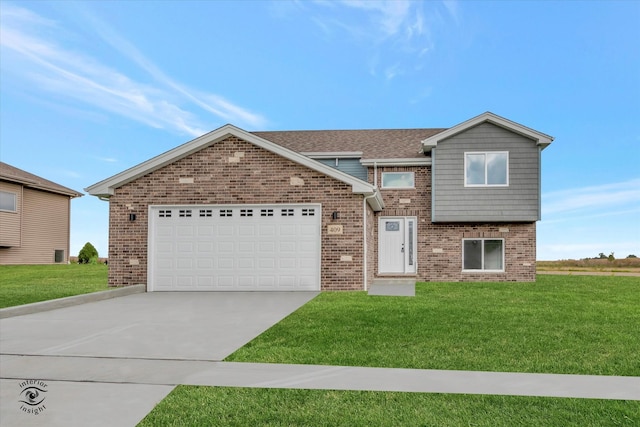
<point x="110" y="362"/>
<point x="265" y="375"/>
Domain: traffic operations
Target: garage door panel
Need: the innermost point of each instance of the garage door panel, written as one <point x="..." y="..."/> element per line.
<point x="225" y="230"/>
<point x="288" y="263"/>
<point x="266" y="263"/>
<point x="246" y="247"/>
<point x="267" y="230"/>
<point x="224" y="247"/>
<point x="183" y="231"/>
<point x="226" y="263"/>
<point x="184" y="264"/>
<point x="285" y="247"/>
<point x="246" y="282"/>
<point x="205" y="247"/>
<point x="205" y="263"/>
<point x="247" y="230"/>
<point x="235" y="248"/>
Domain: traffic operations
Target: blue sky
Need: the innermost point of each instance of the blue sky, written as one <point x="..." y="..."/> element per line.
<point x="88" y="89"/>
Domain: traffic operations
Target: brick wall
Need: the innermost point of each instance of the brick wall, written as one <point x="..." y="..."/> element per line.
<point x="233" y="171"/>
<point x="439" y="247"/>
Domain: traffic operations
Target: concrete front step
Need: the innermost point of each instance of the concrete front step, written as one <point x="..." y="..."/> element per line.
<point x="393" y="287"/>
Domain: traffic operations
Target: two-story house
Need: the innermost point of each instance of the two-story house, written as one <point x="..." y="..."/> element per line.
<point x="35" y="216"/>
<point x="329" y="210"/>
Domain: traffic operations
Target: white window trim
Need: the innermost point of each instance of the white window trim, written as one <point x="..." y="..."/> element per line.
<point x="485" y="169"/>
<point x="482" y="270"/>
<point x="15" y="202"/>
<point x="398" y="188"/>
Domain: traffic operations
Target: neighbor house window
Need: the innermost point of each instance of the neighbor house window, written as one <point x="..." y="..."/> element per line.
<point x="486" y="169"/>
<point x="483" y="254"/>
<point x="398" y="180"/>
<point x="7" y="201"/>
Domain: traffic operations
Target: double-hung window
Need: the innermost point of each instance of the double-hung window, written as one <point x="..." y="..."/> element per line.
<point x="483" y="255"/>
<point x="486" y="169"/>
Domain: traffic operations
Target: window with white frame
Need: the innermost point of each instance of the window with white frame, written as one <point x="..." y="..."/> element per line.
<point x="489" y="169"/>
<point x="483" y="254"/>
<point x="398" y="180"/>
<point x="7" y="201"/>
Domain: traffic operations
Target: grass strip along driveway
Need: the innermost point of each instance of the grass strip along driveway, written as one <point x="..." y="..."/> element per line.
<point x="25" y="284"/>
<point x="560" y="324"/>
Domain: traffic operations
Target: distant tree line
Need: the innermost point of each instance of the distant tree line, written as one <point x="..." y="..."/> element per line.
<point x="610" y="257"/>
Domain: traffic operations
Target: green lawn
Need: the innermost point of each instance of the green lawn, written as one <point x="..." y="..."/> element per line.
<point x="559" y="324"/>
<point x="24" y="284"/>
<point x="225" y="406"/>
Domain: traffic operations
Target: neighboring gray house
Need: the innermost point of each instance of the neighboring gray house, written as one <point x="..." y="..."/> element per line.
<point x="35" y="216"/>
<point x="329" y="210"/>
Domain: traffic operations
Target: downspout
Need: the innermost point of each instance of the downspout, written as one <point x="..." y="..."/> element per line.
<point x="364" y="225"/>
<point x="375" y="174"/>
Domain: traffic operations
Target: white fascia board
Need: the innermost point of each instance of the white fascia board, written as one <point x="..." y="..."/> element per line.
<point x="541" y="139"/>
<point x="426" y="161"/>
<point x="107" y="187"/>
<point x="333" y="154"/>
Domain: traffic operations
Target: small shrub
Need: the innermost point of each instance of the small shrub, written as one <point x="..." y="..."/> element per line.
<point x="87" y="254"/>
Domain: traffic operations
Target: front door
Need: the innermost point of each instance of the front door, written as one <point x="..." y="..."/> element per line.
<point x="397" y="245"/>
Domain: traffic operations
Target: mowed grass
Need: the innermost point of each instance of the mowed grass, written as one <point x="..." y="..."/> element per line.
<point x="225" y="406"/>
<point x="559" y="324"/>
<point x="24" y="284"/>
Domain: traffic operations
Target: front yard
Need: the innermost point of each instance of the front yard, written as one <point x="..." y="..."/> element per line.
<point x="560" y="324"/>
<point x="24" y="284"/>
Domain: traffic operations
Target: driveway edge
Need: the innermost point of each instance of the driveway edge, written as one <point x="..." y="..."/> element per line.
<point x="37" y="307"/>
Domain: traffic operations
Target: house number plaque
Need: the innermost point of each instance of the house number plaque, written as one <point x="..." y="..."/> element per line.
<point x="334" y="229"/>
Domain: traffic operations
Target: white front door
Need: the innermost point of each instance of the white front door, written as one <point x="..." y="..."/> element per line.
<point x="397" y="245"/>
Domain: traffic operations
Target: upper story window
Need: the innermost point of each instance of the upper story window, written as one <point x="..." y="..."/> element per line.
<point x="486" y="169"/>
<point x="398" y="180"/>
<point x="7" y="201"/>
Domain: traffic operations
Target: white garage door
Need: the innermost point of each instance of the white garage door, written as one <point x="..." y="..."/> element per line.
<point x="234" y="248"/>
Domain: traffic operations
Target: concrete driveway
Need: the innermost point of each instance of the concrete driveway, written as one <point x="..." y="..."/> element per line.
<point x="168" y="326"/>
<point x="159" y="325"/>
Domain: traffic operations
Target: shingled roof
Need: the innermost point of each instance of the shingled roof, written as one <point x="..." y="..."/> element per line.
<point x="373" y="143"/>
<point x="12" y="174"/>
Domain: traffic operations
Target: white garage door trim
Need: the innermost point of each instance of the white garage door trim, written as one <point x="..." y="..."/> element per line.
<point x="258" y="247"/>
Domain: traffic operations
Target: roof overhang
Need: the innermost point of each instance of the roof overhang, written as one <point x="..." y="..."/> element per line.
<point x="29" y="183"/>
<point x="106" y="188"/>
<point x="540" y="138"/>
<point x="334" y="154"/>
<point x="423" y="161"/>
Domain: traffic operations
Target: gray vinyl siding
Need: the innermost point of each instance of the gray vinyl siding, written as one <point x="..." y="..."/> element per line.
<point x="519" y="201"/>
<point x="351" y="166"/>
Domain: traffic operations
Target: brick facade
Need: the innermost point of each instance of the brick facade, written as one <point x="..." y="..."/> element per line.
<point x="236" y="172"/>
<point x="439" y="248"/>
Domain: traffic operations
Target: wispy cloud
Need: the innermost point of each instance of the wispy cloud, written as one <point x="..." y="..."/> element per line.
<point x="70" y="74"/>
<point x="608" y="198"/>
<point x="106" y="159"/>
<point x="400" y="33"/>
